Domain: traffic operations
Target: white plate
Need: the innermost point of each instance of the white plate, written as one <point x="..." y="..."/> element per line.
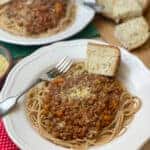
<point x="132" y="72"/>
<point x="83" y="17"/>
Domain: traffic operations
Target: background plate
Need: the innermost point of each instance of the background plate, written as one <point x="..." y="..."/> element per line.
<point x="84" y="15"/>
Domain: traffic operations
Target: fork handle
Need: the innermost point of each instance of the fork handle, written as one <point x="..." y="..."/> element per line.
<point x="28" y="88"/>
<point x="9" y="103"/>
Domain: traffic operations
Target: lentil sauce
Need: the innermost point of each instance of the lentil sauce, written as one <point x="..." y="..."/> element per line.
<point x="80" y="105"/>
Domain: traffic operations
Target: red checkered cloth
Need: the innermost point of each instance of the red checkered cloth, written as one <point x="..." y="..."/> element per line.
<point x="5" y="141"/>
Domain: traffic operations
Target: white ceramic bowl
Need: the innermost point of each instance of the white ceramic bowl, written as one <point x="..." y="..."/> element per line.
<point x="132" y="72"/>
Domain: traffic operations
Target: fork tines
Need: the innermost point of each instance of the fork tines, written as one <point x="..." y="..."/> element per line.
<point x="62" y="67"/>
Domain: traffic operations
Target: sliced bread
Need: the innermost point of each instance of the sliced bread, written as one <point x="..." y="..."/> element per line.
<point x="107" y="6"/>
<point x="102" y="59"/>
<point x="3" y="2"/>
<point x="144" y="3"/>
<point x="133" y="33"/>
<point x="126" y="9"/>
<point x="120" y="9"/>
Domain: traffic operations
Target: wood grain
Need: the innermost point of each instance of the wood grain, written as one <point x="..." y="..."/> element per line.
<point x="106" y="28"/>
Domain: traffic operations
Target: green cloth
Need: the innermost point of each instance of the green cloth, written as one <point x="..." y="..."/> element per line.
<point x="18" y="51"/>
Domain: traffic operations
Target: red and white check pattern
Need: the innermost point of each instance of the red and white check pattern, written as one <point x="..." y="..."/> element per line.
<point x="5" y="141"/>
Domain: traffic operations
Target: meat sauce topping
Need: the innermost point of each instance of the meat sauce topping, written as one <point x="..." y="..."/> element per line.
<point x="37" y="16"/>
<point x="80" y="105"/>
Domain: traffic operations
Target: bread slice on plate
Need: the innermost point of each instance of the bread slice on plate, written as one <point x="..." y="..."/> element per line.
<point x="133" y="33"/>
<point x="120" y="9"/>
<point x="102" y="59"/>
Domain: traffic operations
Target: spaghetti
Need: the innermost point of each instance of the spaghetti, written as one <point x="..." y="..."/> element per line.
<point x="78" y="109"/>
<point x="37" y="18"/>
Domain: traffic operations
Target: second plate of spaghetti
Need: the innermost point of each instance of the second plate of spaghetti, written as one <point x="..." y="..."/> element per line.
<point x="41" y="22"/>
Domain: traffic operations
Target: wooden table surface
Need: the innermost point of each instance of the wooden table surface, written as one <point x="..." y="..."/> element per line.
<point x="106" y="28"/>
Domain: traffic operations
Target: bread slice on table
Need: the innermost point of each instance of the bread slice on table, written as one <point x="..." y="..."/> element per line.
<point x="133" y="33"/>
<point x="126" y="9"/>
<point x="144" y="3"/>
<point x="120" y="9"/>
<point x="107" y="6"/>
<point x="3" y="2"/>
<point x="102" y="59"/>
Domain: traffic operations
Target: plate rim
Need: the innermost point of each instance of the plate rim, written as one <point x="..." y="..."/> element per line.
<point x="37" y="54"/>
<point x="48" y="39"/>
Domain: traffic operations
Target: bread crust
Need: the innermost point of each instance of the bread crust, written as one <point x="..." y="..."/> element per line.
<point x="144" y="4"/>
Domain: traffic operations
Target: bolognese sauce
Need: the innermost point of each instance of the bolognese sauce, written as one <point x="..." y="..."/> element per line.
<point x="80" y="105"/>
<point x="36" y="16"/>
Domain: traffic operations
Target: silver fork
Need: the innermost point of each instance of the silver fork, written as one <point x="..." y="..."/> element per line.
<point x="60" y="68"/>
